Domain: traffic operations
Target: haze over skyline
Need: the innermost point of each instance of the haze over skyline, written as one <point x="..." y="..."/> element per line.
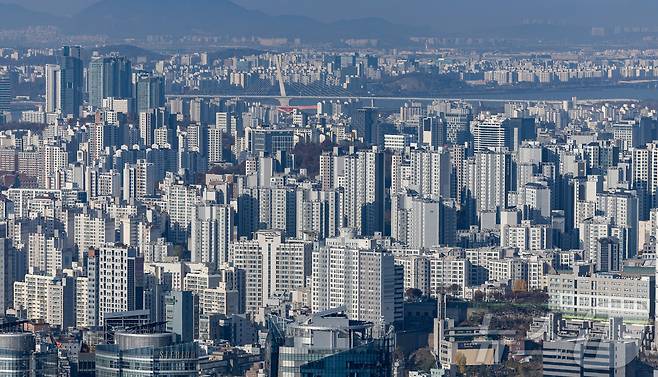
<point x="338" y="188"/>
<point x="439" y="16"/>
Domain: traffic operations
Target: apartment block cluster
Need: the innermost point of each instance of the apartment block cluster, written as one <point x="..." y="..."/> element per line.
<point x="243" y="224"/>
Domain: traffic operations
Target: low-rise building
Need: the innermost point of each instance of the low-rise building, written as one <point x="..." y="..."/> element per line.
<point x="602" y="295"/>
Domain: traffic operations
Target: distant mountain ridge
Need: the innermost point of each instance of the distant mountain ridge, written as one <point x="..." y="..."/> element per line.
<point x="366" y="19"/>
<point x="223" y="17"/>
<point x="140" y="18"/>
<point x="14" y="16"/>
<point x="473" y="16"/>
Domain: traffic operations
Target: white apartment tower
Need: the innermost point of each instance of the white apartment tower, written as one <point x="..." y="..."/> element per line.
<point x="139" y="180"/>
<point x="120" y="276"/>
<point x="91" y="229"/>
<point x="361" y="176"/>
<point x="47" y="298"/>
<point x="211" y="232"/>
<point x="272" y="265"/>
<point x="354" y="273"/>
<point x="487" y="179"/>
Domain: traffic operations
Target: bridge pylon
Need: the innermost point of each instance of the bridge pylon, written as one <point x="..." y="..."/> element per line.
<point x="284" y="101"/>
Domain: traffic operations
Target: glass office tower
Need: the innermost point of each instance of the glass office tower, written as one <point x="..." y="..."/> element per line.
<point x="19" y="356"/>
<point x="326" y="344"/>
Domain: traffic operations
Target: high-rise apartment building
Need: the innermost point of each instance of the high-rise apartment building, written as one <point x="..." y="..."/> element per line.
<point x="180" y="200"/>
<point x="361" y="177"/>
<point x="92" y="228"/>
<point x="352" y="272"/>
<point x="487" y="179"/>
<point x="49" y="298"/>
<point x="120" y="275"/>
<point x="149" y="121"/>
<point x="55" y="159"/>
<point x="423" y="222"/>
<point x="211" y="232"/>
<point x="272" y="265"/>
<point x="215" y="145"/>
<point x="45" y="253"/>
<point x="139" y="180"/>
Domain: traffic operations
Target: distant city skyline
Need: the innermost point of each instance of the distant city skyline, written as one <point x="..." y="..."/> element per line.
<point x="294" y="188"/>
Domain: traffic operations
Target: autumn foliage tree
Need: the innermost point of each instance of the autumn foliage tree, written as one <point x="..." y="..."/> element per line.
<point x="519" y="286"/>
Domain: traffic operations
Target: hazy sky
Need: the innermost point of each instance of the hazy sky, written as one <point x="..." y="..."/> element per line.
<point x="63" y="7"/>
<point x="468" y="12"/>
<point x="439" y="14"/>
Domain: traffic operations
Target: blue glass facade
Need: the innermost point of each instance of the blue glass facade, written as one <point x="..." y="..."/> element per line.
<point x="174" y="360"/>
<point x="368" y="360"/>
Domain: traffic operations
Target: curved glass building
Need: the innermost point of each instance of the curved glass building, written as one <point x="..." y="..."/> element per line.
<point x="152" y="354"/>
<point x="326" y="344"/>
<point x="19" y="358"/>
